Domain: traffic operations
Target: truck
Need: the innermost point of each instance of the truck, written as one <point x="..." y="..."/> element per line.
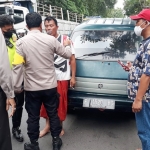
<point x="18" y="9"/>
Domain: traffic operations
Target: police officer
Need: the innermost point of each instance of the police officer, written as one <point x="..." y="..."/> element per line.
<point x="6" y="92"/>
<point x="34" y="62"/>
<point x="6" y="25"/>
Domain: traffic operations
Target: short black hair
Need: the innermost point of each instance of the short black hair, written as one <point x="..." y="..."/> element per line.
<point x="6" y="20"/>
<point x="49" y="18"/>
<point x="33" y="20"/>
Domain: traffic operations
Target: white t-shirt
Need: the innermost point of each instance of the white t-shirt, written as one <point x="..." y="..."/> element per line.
<point x="62" y="66"/>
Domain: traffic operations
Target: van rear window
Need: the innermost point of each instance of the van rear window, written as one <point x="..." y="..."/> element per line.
<point x="119" y="44"/>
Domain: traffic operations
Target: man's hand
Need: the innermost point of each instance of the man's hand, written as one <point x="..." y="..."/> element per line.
<point x="72" y="82"/>
<point x="18" y="92"/>
<point x="128" y="66"/>
<point x="137" y="105"/>
<point x="67" y="42"/>
<point x="11" y="102"/>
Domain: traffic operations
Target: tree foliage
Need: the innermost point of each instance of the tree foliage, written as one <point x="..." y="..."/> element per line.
<point x="135" y="6"/>
<point x="99" y="7"/>
<point x="115" y="13"/>
<point x="86" y="7"/>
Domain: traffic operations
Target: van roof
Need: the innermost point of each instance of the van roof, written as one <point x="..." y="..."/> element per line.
<point x="95" y="23"/>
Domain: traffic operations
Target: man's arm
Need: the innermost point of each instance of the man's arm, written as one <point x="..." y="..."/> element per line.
<point x="143" y="85"/>
<point x="73" y="67"/>
<point x="17" y="69"/>
<point x="73" y="70"/>
<point x="63" y="51"/>
<point x="6" y="80"/>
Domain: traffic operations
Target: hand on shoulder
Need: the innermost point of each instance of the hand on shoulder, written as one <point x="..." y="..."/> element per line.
<point x="67" y="42"/>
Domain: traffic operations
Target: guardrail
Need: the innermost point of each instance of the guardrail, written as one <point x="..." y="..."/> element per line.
<point x="57" y="12"/>
<point x="43" y="9"/>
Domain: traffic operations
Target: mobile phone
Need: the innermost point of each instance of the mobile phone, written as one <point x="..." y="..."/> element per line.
<point x="123" y="65"/>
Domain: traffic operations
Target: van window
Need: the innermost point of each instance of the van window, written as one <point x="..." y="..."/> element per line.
<point x="119" y="44"/>
<point x="18" y="16"/>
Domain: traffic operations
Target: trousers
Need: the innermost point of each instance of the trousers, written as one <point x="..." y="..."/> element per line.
<point x="33" y="102"/>
<point x="16" y="119"/>
<point x="62" y="89"/>
<point x="5" y="139"/>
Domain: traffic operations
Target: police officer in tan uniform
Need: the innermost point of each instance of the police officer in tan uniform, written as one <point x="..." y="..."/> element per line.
<point x="34" y="63"/>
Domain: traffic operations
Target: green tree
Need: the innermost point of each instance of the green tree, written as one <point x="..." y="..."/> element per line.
<point x="134" y="6"/>
<point x="81" y="7"/>
<point x="99" y="7"/>
<point x="86" y="7"/>
<point x="115" y="13"/>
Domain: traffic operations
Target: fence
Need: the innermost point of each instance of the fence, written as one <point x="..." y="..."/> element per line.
<point x="57" y="12"/>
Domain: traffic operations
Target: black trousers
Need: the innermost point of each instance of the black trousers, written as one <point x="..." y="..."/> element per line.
<point x="5" y="139"/>
<point x="16" y="119"/>
<point x="33" y="102"/>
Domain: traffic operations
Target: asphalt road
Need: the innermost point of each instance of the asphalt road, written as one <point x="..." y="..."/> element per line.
<point x="91" y="130"/>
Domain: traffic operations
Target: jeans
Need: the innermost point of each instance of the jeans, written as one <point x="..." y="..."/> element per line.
<point x="33" y="102"/>
<point x="143" y="125"/>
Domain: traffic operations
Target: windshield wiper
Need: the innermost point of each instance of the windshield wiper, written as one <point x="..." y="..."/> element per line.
<point x="94" y="54"/>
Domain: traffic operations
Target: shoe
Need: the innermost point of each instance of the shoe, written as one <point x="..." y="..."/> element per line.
<point x="17" y="134"/>
<point x="31" y="146"/>
<point x="57" y="143"/>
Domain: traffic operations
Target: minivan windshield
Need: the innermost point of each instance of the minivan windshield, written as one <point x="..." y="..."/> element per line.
<point x="117" y="44"/>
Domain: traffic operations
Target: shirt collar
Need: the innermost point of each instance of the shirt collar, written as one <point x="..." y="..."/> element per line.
<point x="34" y="31"/>
<point x="146" y="39"/>
<point x="58" y="36"/>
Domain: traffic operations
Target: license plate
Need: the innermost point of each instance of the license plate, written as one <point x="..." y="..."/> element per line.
<point x="99" y="103"/>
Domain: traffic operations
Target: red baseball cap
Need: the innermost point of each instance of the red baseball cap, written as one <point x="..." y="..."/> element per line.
<point x="144" y="14"/>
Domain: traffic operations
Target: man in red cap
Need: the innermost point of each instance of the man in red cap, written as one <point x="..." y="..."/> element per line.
<point x="139" y="78"/>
